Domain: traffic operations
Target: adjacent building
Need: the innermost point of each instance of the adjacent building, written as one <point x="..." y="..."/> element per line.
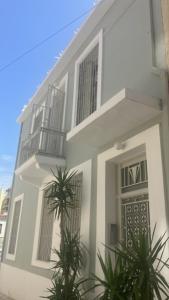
<point x="4" y="206"/>
<point x="6" y="202"/>
<point x="104" y="111"/>
<point x="2" y="195"/>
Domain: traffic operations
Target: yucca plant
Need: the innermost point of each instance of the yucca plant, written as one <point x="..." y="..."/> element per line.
<point x="116" y="282"/>
<point x="72" y="290"/>
<point x="144" y="262"/>
<point x="61" y="196"/>
<point x="66" y="282"/>
<point x="72" y="257"/>
<point x="137" y="271"/>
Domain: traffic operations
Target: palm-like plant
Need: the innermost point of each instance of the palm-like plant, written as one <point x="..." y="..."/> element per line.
<point x="71" y="258"/>
<point x="66" y="284"/>
<point x="144" y="262"/>
<point x="61" y="196"/>
<point x="137" y="272"/>
<point x="72" y="290"/>
<point x="116" y="284"/>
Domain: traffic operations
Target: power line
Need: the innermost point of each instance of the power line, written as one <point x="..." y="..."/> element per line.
<point x="39" y="44"/>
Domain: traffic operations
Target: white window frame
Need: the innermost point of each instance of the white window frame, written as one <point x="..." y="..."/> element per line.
<point x="97" y="40"/>
<point x="8" y="255"/>
<point x="85" y="169"/>
<point x="35" y="261"/>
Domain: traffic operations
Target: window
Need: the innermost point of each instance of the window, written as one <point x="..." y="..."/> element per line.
<point x="46" y="231"/>
<point x="134" y="176"/>
<point x="37" y="117"/>
<point x="87" y="91"/>
<point x="72" y="223"/>
<point x="87" y="86"/>
<point x="57" y="108"/>
<point x="15" y="227"/>
<point x="134" y="197"/>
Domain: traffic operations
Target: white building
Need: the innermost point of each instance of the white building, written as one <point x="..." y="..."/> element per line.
<point x="104" y="111"/>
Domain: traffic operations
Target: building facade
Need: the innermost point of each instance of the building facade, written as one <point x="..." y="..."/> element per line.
<point x="104" y="111"/>
<point x="5" y="202"/>
<point x="2" y="196"/>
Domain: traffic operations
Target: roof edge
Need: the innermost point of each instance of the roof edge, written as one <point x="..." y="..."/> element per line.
<point x="92" y="20"/>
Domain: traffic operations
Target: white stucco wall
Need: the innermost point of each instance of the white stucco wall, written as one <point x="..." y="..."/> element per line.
<point x="147" y="142"/>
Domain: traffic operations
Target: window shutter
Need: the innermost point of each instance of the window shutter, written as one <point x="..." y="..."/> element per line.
<point x="54" y="140"/>
<point x="45" y="240"/>
<point x="15" y="224"/>
<point x="38" y="121"/>
<point x="87" y="87"/>
<point x="56" y="115"/>
<point x="72" y="223"/>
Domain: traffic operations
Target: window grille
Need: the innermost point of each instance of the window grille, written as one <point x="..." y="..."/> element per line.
<point x="134" y="176"/>
<point x="15" y="224"/>
<point x="37" y="121"/>
<point x="56" y="112"/>
<point x="47" y="134"/>
<point x="72" y="221"/>
<point x="135" y="217"/>
<point x="46" y="231"/>
<point x="87" y="86"/>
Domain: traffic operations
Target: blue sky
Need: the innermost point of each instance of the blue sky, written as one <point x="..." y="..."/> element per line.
<point x="22" y="25"/>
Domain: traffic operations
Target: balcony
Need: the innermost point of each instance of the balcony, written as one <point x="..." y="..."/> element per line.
<point x="43" y="148"/>
<point x="44" y="141"/>
<point x="123" y="113"/>
<point x="39" y="153"/>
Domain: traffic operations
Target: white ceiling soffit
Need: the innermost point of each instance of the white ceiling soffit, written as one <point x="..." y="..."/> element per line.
<point x="124" y="112"/>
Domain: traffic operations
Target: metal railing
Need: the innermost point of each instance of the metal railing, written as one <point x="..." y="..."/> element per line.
<point x="87" y="86"/>
<point x="46" y="128"/>
<point x="44" y="141"/>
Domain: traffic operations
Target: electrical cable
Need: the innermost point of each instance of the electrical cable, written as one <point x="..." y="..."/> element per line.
<point x="42" y="42"/>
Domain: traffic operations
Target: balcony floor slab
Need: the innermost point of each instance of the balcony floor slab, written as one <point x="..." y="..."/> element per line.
<point x="37" y="168"/>
<point x="124" y="112"/>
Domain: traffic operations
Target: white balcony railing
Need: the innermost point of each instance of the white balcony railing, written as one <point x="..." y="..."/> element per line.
<point x="44" y="141"/>
<point x="46" y="127"/>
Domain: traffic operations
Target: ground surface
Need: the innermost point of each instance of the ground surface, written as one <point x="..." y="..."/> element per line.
<point x="2" y="297"/>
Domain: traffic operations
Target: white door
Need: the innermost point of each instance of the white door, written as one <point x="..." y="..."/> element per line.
<point x="133" y="195"/>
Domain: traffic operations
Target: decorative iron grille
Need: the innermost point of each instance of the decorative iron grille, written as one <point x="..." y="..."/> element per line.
<point x="46" y="135"/>
<point x="87" y="86"/>
<point x="45" y="240"/>
<point x="73" y="219"/>
<point x="134" y="176"/>
<point x="135" y="217"/>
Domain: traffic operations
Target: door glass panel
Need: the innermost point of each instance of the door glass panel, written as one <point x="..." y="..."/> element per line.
<point x="135" y="216"/>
